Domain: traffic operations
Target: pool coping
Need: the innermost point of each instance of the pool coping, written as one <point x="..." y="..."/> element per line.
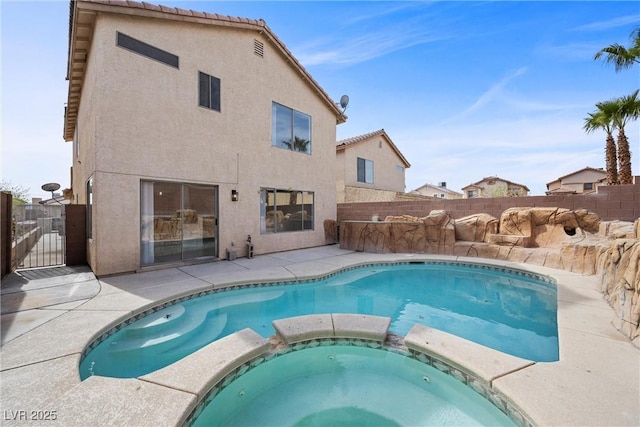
<point x="597" y="369"/>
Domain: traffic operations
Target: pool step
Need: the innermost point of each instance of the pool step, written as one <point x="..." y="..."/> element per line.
<point x="352" y="276"/>
<point x="176" y="324"/>
<point x="159" y="340"/>
<point x="158" y="320"/>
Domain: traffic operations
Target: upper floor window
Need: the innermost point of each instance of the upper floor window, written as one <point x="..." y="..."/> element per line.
<point x="291" y="129"/>
<point x="144" y="49"/>
<point x="365" y="171"/>
<point x="399" y="168"/>
<point x="472" y="193"/>
<point x="209" y="91"/>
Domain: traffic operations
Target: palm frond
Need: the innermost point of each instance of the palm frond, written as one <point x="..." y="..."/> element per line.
<point x="620" y="56"/>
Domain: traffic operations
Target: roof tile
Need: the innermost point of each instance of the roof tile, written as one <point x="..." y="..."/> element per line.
<point x="150" y="6"/>
<point x="184" y="12"/>
<point x="358" y="138"/>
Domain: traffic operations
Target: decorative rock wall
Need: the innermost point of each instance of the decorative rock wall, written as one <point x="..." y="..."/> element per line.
<point x="575" y="241"/>
<point x="619" y="274"/>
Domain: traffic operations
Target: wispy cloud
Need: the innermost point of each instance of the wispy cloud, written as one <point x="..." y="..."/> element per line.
<point x="525" y="105"/>
<point x="571" y="51"/>
<point x="363" y="47"/>
<point x="366" y="36"/>
<point x="382" y="12"/>
<point x="610" y="23"/>
<point x="491" y="94"/>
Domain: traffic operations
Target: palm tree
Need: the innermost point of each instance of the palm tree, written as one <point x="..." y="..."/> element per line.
<point x="299" y="144"/>
<point x="622" y="57"/>
<point x="603" y="119"/>
<point x="628" y="109"/>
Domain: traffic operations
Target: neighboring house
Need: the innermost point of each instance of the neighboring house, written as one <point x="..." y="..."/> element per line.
<point x="585" y="180"/>
<point x="494" y="186"/>
<point x="439" y="191"/>
<point x="192" y="131"/>
<point x="369" y="167"/>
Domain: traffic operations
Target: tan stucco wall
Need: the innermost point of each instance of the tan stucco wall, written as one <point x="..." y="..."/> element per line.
<point x="576" y="182"/>
<point x="385" y="160"/>
<point x="359" y="194"/>
<point x="554" y="185"/>
<point x="145" y="121"/>
<point x="584" y="176"/>
<point x="84" y="157"/>
<point x="340" y="176"/>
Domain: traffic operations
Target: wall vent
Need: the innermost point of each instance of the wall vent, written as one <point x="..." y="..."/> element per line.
<point x="258" y="48"/>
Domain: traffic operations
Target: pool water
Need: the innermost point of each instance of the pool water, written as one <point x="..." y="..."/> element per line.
<point x="347" y="386"/>
<point x="511" y="312"/>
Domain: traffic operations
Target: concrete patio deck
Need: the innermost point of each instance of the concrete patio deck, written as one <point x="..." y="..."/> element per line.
<point x="49" y="317"/>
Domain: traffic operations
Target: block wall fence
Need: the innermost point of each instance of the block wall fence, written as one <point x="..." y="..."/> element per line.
<point x="619" y="202"/>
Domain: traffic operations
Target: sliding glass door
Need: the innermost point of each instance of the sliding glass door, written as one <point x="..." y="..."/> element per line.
<point x="199" y="221"/>
<point x="178" y="222"/>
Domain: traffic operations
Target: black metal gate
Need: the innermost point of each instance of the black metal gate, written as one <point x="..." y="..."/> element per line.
<point x="38" y="236"/>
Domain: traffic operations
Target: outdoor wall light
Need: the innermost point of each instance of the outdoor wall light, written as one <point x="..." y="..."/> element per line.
<point x="234" y="196"/>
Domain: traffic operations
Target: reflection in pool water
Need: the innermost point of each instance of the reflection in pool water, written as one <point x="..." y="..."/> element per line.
<point x="505" y="310"/>
<point x="337" y="385"/>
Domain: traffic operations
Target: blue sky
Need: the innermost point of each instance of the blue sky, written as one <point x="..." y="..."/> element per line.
<point x="465" y="89"/>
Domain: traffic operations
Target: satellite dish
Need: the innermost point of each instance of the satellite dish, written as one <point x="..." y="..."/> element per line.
<point x="344" y="101"/>
<point x="51" y="186"/>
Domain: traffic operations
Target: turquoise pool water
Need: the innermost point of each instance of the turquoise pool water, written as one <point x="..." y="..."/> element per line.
<point x="505" y="310"/>
<point x="347" y="386"/>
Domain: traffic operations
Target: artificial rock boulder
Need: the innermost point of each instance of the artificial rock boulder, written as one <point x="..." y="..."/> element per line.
<point x="330" y="231"/>
<point x="619" y="230"/>
<point x="543" y="227"/>
<point x="440" y="232"/>
<point x="434" y="233"/>
<point x="476" y="228"/>
<point x="619" y="274"/>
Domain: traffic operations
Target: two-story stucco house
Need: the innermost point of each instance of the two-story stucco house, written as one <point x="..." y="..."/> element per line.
<point x="439" y="191"/>
<point x="369" y="168"/>
<point x="192" y="131"/>
<point x="582" y="181"/>
<point x="494" y="186"/>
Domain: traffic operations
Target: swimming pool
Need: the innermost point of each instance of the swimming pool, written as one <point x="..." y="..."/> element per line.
<point x="338" y="385"/>
<point x="508" y="310"/>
